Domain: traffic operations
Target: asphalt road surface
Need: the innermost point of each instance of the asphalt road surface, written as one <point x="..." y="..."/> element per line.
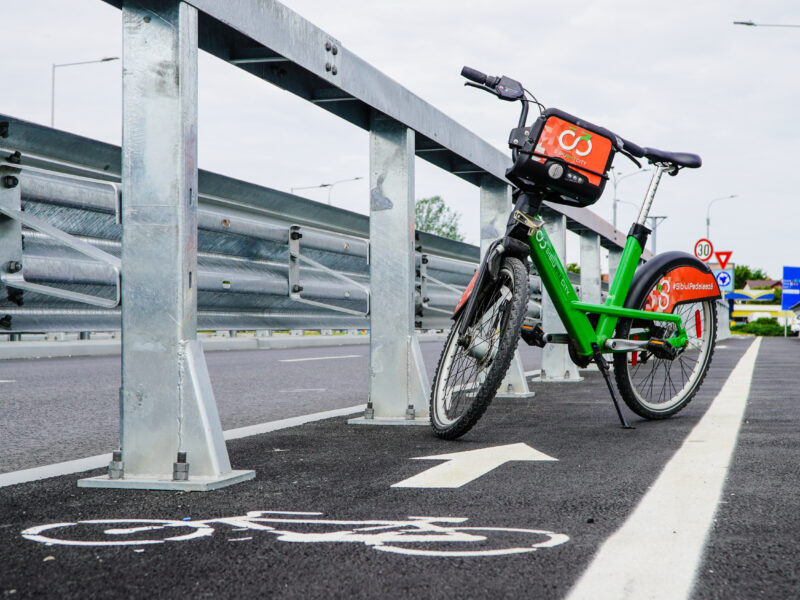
<point x="703" y="505"/>
<point x="58" y="409"/>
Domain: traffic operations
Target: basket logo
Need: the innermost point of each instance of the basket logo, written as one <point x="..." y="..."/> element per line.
<point x="572" y="144"/>
<point x="580" y="148"/>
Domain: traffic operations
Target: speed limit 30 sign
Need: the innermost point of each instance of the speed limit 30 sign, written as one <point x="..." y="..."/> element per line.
<point x="703" y="249"/>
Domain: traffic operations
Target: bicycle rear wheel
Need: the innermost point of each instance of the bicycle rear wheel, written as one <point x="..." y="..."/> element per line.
<point x="657" y="388"/>
<point x="471" y="369"/>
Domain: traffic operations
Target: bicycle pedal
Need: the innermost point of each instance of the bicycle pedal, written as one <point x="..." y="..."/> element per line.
<point x="662" y="349"/>
<point x="533" y="335"/>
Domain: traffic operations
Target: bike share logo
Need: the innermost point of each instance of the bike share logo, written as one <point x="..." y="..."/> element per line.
<point x="548" y="250"/>
<point x="414" y="536"/>
<point x="659" y="300"/>
<point x="569" y="140"/>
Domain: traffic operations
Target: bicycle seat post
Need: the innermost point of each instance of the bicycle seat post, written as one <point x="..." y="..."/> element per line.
<point x="660" y="169"/>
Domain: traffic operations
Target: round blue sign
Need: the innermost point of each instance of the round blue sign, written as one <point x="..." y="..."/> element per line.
<point x="723" y="279"/>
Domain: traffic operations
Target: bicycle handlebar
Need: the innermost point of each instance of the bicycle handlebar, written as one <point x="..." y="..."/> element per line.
<point x="509" y="89"/>
<point x="478" y="77"/>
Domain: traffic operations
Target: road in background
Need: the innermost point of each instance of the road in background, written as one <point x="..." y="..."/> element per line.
<point x="60" y="409"/>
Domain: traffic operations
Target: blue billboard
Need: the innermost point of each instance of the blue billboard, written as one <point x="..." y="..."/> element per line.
<point x="791" y="287"/>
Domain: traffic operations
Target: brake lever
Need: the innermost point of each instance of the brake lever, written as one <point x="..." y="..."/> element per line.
<point x="480" y="87"/>
<point x="630" y="157"/>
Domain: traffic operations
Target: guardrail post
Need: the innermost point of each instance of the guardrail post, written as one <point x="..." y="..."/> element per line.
<point x="591" y="278"/>
<point x="614" y="256"/>
<point x="556" y="364"/>
<point x="169" y="415"/>
<point x="495" y="200"/>
<point x="398" y="383"/>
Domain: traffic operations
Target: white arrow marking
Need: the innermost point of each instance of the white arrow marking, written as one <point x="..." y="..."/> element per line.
<point x="463" y="467"/>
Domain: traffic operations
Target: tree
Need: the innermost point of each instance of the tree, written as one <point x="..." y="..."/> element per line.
<point x="742" y="273"/>
<point x="433" y="216"/>
<point x="574" y="268"/>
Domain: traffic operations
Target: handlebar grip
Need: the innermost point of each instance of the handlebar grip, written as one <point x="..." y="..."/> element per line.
<point x="474" y="75"/>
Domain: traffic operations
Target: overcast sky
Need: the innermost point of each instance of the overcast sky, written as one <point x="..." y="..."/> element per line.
<point x="676" y="76"/>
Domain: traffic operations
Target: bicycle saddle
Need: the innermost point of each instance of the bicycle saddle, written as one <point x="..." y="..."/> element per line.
<point x="680" y="159"/>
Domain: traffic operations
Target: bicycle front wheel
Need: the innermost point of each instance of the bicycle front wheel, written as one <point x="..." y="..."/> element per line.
<point x="657" y="388"/>
<point x="471" y="368"/>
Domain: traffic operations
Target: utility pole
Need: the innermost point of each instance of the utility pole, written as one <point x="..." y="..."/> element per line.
<point x="654" y="223"/>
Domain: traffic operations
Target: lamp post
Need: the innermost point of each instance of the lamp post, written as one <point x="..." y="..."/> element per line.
<point x="708" y="213"/>
<point x="53" y="81"/>
<point x="615" y="181"/>
<point x="655" y="221"/>
<point x="325" y="185"/>
<point x="751" y="24"/>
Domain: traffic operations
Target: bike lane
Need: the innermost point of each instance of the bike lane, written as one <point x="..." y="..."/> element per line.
<point x="752" y="549"/>
<point x="347" y="473"/>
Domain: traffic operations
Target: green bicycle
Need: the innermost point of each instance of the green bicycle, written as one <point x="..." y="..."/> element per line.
<point x="659" y="321"/>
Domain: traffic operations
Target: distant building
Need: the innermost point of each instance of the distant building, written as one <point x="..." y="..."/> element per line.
<point x="763" y="283"/>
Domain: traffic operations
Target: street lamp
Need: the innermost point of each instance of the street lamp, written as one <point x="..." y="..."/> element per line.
<point x="53" y="82"/>
<point x="325" y="185"/>
<point x="751" y="24"/>
<point x="655" y="221"/>
<point x="615" y="181"/>
<point x="708" y="213"/>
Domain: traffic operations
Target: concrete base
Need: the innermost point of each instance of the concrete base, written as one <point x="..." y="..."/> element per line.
<point x="560" y="380"/>
<point x="362" y="421"/>
<point x="193" y="484"/>
<point x="111" y="347"/>
<point x="513" y="395"/>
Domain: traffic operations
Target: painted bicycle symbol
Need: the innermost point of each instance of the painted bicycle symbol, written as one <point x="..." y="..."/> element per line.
<point x="415" y="536"/>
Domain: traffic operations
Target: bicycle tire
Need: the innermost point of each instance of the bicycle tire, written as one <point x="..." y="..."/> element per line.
<point x="467" y="378"/>
<point x="646" y="383"/>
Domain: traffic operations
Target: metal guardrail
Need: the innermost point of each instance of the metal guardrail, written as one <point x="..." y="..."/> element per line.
<point x="266" y="259"/>
<point x="270" y="41"/>
<point x="200" y="250"/>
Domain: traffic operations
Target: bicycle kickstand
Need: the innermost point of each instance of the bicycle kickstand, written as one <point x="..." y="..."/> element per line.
<point x="602" y="364"/>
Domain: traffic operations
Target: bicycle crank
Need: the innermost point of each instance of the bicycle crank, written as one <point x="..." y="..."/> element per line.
<point x="659" y="348"/>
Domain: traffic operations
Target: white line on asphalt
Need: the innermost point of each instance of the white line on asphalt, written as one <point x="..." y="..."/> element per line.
<point x="302" y="390"/>
<point x="321" y="358"/>
<point x="674" y="517"/>
<point x="8" y="381"/>
<point x="96" y="462"/>
<point x="235" y="434"/>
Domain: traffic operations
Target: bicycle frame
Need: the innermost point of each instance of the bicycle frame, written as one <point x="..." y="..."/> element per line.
<point x="573" y="312"/>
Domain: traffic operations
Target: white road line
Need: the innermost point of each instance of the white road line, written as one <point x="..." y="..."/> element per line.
<point x="301" y="390"/>
<point x="8" y="381"/>
<point x="321" y="358"/>
<point x="657" y="551"/>
<point x="241" y="432"/>
<point x="96" y="462"/>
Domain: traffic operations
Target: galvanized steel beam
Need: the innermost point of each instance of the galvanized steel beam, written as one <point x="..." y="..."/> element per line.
<point x="495" y="199"/>
<point x="556" y="364"/>
<point x="398" y="383"/>
<point x="171" y="437"/>
<point x="591" y="290"/>
<point x="272" y="42"/>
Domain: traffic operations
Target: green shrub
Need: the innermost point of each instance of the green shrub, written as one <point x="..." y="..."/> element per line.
<point x="764" y="326"/>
